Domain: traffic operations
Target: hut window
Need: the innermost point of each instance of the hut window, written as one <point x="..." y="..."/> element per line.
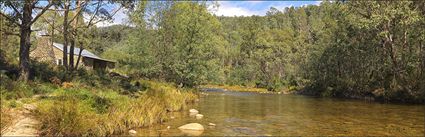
<point x="59" y="61"/>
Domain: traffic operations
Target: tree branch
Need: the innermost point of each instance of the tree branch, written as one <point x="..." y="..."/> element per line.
<point x="11" y="33"/>
<point x="16" y="10"/>
<point x="10" y="19"/>
<point x="54" y="9"/>
<point x="42" y="11"/>
<point x="33" y="4"/>
<point x="94" y="14"/>
<point x="48" y="22"/>
<point x="113" y="14"/>
<point x="78" y="12"/>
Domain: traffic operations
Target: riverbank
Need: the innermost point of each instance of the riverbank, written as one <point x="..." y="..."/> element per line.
<point x="78" y="109"/>
<point x="236" y="88"/>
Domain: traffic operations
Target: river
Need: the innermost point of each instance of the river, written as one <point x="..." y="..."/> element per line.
<point x="253" y="114"/>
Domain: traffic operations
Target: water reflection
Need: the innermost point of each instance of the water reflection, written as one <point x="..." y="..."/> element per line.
<point x="237" y="113"/>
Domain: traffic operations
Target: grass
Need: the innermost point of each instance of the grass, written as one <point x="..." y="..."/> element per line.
<point x="100" y="112"/>
<point x="6" y="118"/>
<point x="236" y="88"/>
<point x="91" y="103"/>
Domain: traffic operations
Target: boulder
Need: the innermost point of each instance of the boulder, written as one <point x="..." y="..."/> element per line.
<point x="199" y="116"/>
<point x="192" y="126"/>
<point x="132" y="131"/>
<point x="193" y="111"/>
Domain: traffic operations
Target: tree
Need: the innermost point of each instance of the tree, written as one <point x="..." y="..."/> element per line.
<point x="21" y="14"/>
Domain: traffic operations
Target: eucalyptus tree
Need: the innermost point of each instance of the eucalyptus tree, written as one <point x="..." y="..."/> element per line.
<point x="23" y="14"/>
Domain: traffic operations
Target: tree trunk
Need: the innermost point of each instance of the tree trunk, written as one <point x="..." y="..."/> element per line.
<point x="65" y="35"/>
<point x="71" y="54"/>
<point x="25" y="42"/>
<point x="74" y="32"/>
<point x="79" y="55"/>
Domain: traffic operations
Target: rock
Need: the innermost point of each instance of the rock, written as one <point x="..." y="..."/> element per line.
<point x="199" y="116"/>
<point x="211" y="124"/>
<point x="192" y="126"/>
<point x="172" y="117"/>
<point x="245" y="130"/>
<point x="168" y="127"/>
<point x="132" y="132"/>
<point x="193" y="111"/>
<point x="192" y="132"/>
<point x="30" y="107"/>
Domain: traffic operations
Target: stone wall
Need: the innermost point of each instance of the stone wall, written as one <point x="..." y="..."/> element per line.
<point x="43" y="51"/>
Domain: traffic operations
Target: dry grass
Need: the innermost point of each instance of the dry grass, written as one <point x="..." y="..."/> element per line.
<point x="6" y="118"/>
<point x="100" y="112"/>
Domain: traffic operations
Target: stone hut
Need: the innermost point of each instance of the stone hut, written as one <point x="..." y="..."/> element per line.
<point x="50" y="52"/>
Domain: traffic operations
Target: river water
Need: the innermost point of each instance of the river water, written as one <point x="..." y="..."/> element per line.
<point x="253" y="114"/>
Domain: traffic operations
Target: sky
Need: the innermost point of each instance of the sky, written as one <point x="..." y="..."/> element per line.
<point x="231" y="8"/>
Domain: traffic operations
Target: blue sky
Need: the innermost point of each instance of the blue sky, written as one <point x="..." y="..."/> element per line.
<point x="248" y="8"/>
<point x="232" y="8"/>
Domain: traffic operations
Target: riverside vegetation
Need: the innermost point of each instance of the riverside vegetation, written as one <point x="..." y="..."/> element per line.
<point x="347" y="49"/>
<point x="92" y="103"/>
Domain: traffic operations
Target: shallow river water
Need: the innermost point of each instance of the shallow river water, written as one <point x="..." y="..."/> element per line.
<point x="253" y="114"/>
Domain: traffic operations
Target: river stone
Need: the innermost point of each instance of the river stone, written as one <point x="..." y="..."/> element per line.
<point x="199" y="116"/>
<point x="192" y="126"/>
<point x="193" y="111"/>
<point x="211" y="124"/>
<point x="132" y="132"/>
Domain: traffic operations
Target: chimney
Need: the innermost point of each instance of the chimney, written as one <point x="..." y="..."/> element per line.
<point x="43" y="51"/>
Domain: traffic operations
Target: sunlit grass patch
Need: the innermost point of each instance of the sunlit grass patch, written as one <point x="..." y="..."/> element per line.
<point x="6" y="117"/>
<point x="68" y="110"/>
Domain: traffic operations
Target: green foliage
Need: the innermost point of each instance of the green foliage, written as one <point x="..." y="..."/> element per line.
<point x="347" y="49"/>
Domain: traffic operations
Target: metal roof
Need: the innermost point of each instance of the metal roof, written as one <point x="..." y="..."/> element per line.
<point x="84" y="53"/>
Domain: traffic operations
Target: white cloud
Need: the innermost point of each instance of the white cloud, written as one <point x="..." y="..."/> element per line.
<point x="227" y="9"/>
<point x="119" y="18"/>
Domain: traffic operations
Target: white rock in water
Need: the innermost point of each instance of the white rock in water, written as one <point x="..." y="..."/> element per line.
<point x="193" y="111"/>
<point x="132" y="132"/>
<point x="211" y="124"/>
<point x="168" y="127"/>
<point x="199" y="116"/>
<point x="172" y="117"/>
<point x="192" y="126"/>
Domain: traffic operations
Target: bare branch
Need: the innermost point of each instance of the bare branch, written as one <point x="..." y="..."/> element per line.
<point x="42" y="11"/>
<point x="48" y="22"/>
<point x="94" y="14"/>
<point x="11" y="33"/>
<point x="40" y="8"/>
<point x="113" y="14"/>
<point x="16" y="10"/>
<point x="34" y="2"/>
<point x="78" y="12"/>
<point x="10" y="19"/>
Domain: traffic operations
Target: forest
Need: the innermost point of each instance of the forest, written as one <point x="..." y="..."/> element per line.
<point x="169" y="49"/>
<point x="344" y="49"/>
